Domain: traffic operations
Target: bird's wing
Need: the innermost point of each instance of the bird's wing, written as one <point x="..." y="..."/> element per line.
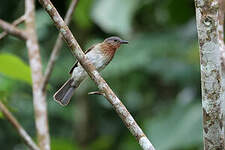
<point x="76" y="63"/>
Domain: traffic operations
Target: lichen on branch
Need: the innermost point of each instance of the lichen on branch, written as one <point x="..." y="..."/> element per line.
<point x="211" y="75"/>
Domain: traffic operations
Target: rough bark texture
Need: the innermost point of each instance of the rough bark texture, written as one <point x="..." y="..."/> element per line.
<point x="95" y="76"/>
<point x="12" y="30"/>
<point x="39" y="97"/>
<point x="26" y="138"/>
<point x="221" y="31"/>
<point x="221" y="41"/>
<point x="211" y="76"/>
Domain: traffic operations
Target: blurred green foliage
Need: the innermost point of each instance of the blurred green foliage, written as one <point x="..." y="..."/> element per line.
<point x="59" y="144"/>
<point x="183" y="122"/>
<point x="82" y="15"/>
<point x="1" y="115"/>
<point x="156" y="76"/>
<point x="115" y="16"/>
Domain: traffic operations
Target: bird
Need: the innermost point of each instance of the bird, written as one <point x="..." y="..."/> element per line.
<point x="100" y="55"/>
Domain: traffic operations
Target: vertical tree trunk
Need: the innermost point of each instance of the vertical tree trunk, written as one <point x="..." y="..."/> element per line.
<point x="211" y="76"/>
<point x="221" y="40"/>
<point x="39" y="96"/>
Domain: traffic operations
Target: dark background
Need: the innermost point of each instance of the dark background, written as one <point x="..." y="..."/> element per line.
<point x="156" y="76"/>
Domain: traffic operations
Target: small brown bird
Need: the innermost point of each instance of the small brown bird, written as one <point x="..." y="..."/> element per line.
<point x="99" y="55"/>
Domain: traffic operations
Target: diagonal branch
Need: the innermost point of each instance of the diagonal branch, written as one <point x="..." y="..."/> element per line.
<point x="95" y="76"/>
<point x="57" y="47"/>
<point x="39" y="97"/>
<point x="15" y="23"/>
<point x="26" y="138"/>
<point x="11" y="29"/>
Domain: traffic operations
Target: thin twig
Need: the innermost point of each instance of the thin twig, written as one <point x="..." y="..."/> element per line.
<point x="26" y="138"/>
<point x="211" y="73"/>
<point x="12" y="30"/>
<point x="15" y="23"/>
<point x="95" y="76"/>
<point x="39" y="97"/>
<point x="96" y="93"/>
<point x="57" y="46"/>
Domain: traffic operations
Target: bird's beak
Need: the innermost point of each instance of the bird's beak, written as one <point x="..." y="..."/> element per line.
<point x="123" y="42"/>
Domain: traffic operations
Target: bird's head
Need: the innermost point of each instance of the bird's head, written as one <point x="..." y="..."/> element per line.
<point x="115" y="41"/>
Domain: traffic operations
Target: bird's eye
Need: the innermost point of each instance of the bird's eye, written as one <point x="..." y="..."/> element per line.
<point x="115" y="40"/>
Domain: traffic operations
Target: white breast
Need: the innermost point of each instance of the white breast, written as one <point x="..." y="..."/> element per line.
<point x="96" y="57"/>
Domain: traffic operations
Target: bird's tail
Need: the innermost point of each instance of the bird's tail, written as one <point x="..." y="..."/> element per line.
<point x="64" y="94"/>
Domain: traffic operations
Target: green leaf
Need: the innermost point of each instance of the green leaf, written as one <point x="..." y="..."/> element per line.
<point x="115" y="15"/>
<point x="13" y="67"/>
<point x="6" y="85"/>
